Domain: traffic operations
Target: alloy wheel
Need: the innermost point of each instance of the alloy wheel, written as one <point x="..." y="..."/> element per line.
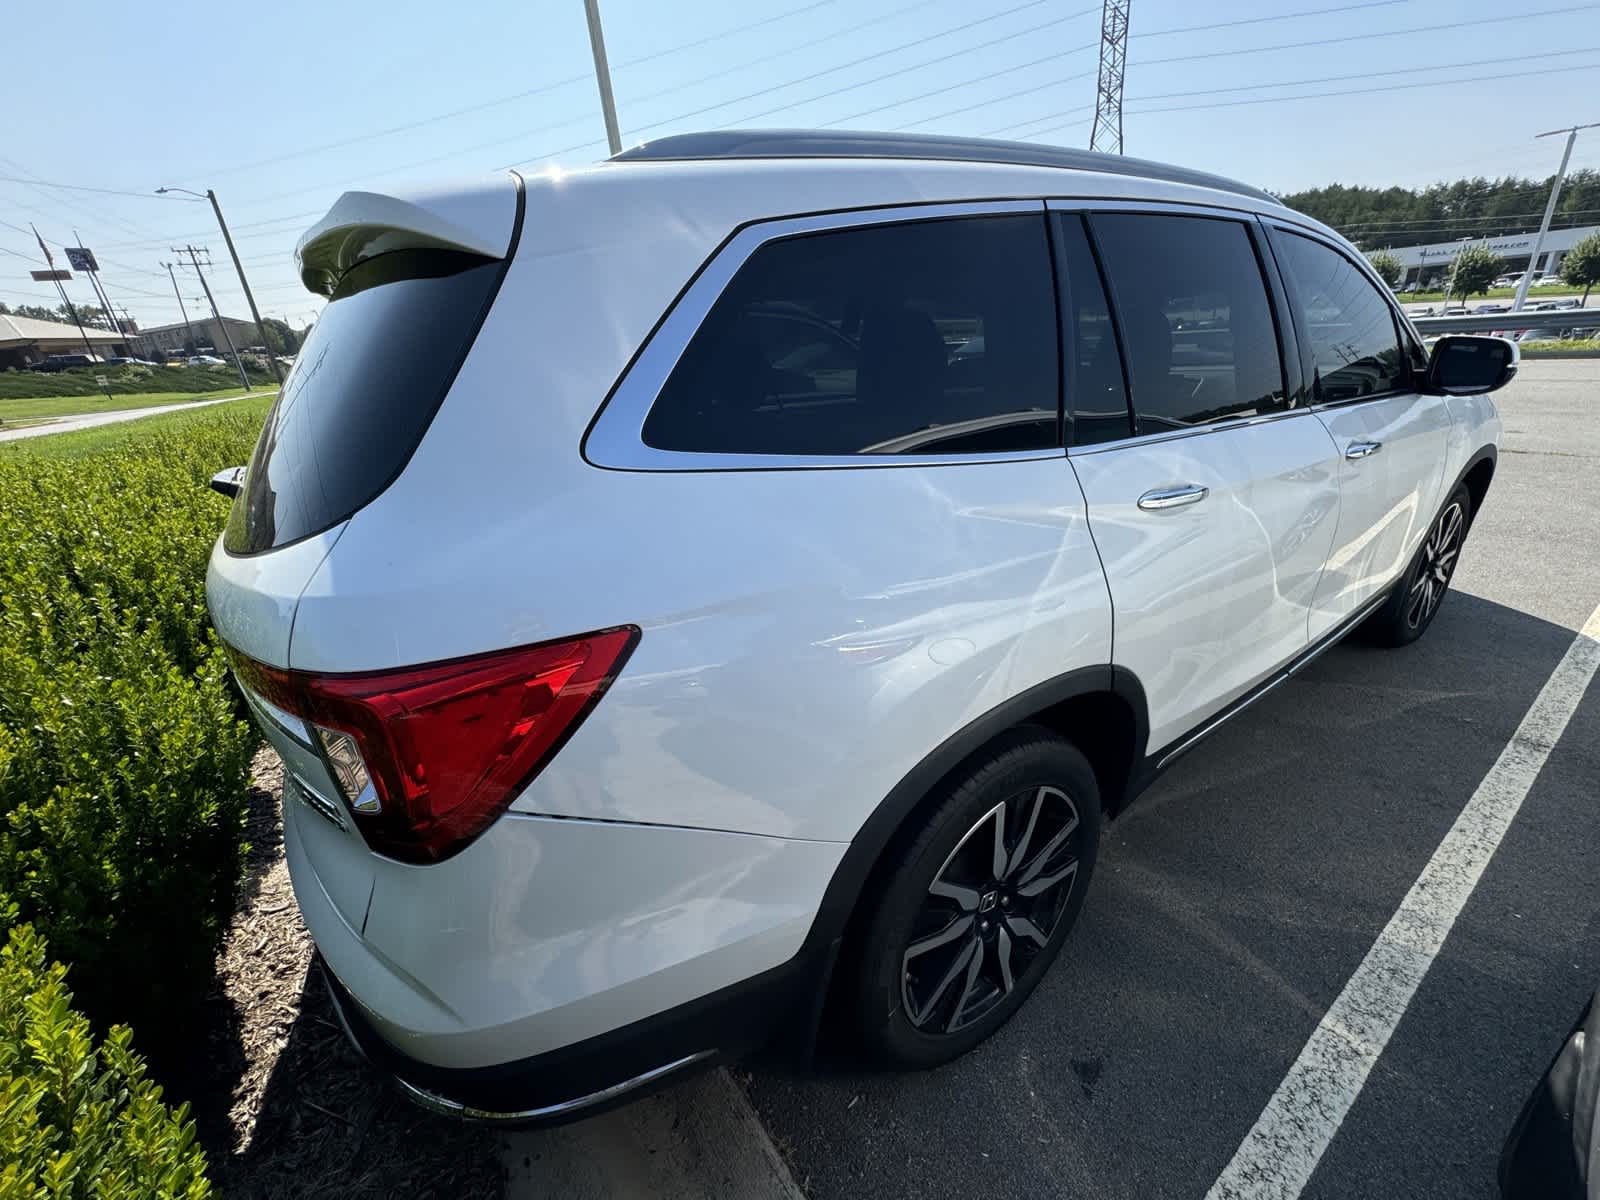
<point x="1436" y="563"/>
<point x="991" y="910"/>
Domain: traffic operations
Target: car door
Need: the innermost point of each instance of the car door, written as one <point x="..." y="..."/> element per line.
<point x="1361" y="364"/>
<point x="1213" y="493"/>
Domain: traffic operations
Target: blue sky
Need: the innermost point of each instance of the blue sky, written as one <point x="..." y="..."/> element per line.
<point x="279" y="108"/>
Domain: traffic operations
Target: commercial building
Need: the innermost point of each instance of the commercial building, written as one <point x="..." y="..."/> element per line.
<point x="1515" y="248"/>
<point x="24" y="340"/>
<point x="187" y="336"/>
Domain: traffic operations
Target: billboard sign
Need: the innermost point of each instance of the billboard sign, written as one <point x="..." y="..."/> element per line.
<point x="51" y="276"/>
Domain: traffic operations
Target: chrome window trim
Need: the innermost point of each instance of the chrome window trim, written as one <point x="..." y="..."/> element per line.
<point x="1108" y="204"/>
<point x="1169" y="435"/>
<point x="616" y="437"/>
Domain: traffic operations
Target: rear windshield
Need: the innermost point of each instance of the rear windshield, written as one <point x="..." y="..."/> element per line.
<point x="364" y="387"/>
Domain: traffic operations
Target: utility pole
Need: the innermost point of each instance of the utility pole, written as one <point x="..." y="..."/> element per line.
<point x="1549" y="208"/>
<point x="99" y="290"/>
<point x="249" y="296"/>
<point x="602" y="74"/>
<point x="179" y="295"/>
<point x="211" y="300"/>
<point x="1106" y="134"/>
<point x="50" y="260"/>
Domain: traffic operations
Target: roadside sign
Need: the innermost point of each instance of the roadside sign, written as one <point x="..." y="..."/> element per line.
<point x="51" y="276"/>
<point x="101" y="381"/>
<point x="81" y="258"/>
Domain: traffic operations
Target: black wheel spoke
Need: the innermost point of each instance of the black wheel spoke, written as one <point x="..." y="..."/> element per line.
<point x="968" y="953"/>
<point x="962" y="924"/>
<point x="1025" y="928"/>
<point x="973" y="970"/>
<point x="1002" y="944"/>
<point x="1043" y="883"/>
<point x="965" y="897"/>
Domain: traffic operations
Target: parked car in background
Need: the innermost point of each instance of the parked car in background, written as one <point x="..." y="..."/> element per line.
<point x="205" y="360"/>
<point x="122" y="360"/>
<point x="1491" y="308"/>
<point x="1542" y="334"/>
<point x="65" y="362"/>
<point x="1506" y="281"/>
<point x="1547" y="281"/>
<point x="761" y="651"/>
<point x="1553" y="1150"/>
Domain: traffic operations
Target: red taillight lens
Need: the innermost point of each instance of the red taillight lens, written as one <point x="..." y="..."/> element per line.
<point x="448" y="746"/>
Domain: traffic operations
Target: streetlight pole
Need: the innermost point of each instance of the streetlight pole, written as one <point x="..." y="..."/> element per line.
<point x="602" y="75"/>
<point x="1549" y="208"/>
<point x="261" y="330"/>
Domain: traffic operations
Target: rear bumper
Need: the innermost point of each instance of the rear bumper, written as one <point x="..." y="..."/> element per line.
<point x="591" y="1076"/>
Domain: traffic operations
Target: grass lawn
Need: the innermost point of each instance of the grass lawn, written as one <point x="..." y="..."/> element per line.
<point x="1534" y="349"/>
<point x="29" y="409"/>
<point x="1535" y="295"/>
<point x="83" y="442"/>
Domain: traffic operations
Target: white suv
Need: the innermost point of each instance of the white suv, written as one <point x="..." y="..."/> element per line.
<point x="747" y="574"/>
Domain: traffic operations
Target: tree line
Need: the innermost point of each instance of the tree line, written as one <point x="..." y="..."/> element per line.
<point x="1375" y="218"/>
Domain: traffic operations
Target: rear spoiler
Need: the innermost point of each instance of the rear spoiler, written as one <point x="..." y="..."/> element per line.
<point x="477" y="219"/>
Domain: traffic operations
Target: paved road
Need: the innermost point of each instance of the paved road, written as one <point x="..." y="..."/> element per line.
<point x="90" y="420"/>
<point x="1231" y="905"/>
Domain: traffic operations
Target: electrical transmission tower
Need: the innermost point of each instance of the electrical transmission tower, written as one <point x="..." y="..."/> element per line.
<point x="1107" y="133"/>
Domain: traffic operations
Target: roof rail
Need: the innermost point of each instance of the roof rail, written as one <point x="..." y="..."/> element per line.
<point x="827" y="143"/>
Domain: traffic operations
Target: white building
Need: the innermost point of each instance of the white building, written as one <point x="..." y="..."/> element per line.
<point x="24" y="340"/>
<point x="1513" y="247"/>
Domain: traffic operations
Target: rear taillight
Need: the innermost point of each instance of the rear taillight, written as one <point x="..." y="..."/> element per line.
<point x="428" y="757"/>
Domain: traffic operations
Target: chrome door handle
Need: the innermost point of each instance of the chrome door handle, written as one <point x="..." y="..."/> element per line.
<point x="1189" y="493"/>
<point x="1362" y="449"/>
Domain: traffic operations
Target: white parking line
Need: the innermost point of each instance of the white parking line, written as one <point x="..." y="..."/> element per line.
<point x="1279" y="1154"/>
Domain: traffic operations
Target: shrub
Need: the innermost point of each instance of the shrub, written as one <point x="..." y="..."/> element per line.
<point x="78" y="1122"/>
<point x="123" y="759"/>
<point x="126" y="381"/>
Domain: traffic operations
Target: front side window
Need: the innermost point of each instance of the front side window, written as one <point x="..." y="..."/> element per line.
<point x="1196" y="325"/>
<point x="932" y="337"/>
<point x="1349" y="324"/>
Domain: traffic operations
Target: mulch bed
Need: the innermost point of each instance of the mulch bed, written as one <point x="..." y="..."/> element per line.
<point x="284" y="1106"/>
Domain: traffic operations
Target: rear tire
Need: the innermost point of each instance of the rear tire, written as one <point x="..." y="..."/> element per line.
<point x="980" y="902"/>
<point x="1406" y="615"/>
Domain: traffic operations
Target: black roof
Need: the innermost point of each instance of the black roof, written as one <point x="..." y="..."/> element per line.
<point x="828" y="143"/>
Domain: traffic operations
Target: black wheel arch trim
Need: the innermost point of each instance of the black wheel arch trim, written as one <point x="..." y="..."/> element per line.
<point x="861" y="858"/>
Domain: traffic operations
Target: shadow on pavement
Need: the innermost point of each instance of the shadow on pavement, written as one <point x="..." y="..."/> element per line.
<point x="1230" y="904"/>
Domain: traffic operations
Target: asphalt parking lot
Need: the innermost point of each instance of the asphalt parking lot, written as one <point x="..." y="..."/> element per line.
<point x="1235" y="899"/>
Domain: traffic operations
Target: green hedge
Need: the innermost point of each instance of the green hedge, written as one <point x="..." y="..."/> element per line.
<point x="76" y="1122"/>
<point x="126" y="381"/>
<point x="123" y="759"/>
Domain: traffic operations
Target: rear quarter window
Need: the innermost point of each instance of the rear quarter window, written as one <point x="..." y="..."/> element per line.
<point x="929" y="337"/>
<point x="364" y="388"/>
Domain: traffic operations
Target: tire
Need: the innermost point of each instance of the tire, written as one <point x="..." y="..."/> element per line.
<point x="1406" y="615"/>
<point x="952" y="946"/>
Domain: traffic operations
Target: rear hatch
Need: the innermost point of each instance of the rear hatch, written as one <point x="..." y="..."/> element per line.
<point x="409" y="281"/>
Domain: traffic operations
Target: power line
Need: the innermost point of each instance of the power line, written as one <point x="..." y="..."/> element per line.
<point x="305" y="151"/>
<point x="1313" y="12"/>
<point x="1397" y="87"/>
<point x="1363" y="37"/>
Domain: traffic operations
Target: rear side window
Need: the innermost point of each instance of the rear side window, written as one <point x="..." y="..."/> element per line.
<point x="364" y="388"/>
<point x="932" y="337"/>
<point x="1349" y="324"/>
<point x="1195" y="321"/>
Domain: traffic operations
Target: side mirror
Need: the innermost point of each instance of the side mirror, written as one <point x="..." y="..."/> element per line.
<point x="1463" y="364"/>
<point x="228" y="482"/>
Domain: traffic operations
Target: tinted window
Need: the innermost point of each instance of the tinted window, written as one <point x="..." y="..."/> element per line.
<point x="935" y="337"/>
<point x="362" y="392"/>
<point x="1347" y="321"/>
<point x="1195" y="323"/>
<point x="1097" y="401"/>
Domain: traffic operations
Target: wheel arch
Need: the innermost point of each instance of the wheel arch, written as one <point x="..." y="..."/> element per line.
<point x="1476" y="476"/>
<point x="1101" y="709"/>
